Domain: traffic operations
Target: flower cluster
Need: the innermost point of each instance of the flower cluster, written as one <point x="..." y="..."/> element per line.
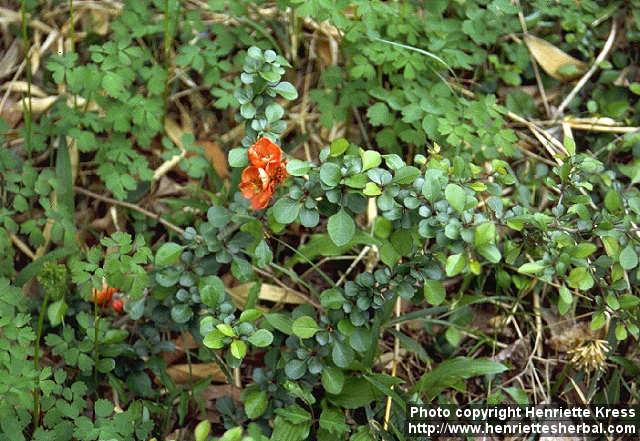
<point x="266" y="170"/>
<point x="104" y="297"/>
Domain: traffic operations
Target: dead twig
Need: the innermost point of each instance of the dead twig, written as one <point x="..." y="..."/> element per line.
<point x="23" y="246"/>
<point x="580" y="84"/>
<point x="131" y="206"/>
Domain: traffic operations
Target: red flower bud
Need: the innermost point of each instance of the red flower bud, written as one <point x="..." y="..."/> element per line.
<point x="117" y="305"/>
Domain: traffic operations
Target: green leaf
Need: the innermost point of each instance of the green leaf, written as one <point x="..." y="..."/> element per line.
<point x="296" y="167"/>
<point x="405" y="175"/>
<point x="295" y="369"/>
<point x="202" y="430"/>
<point x="234" y="434"/>
<point x="434" y="292"/>
<point x="286" y="90"/>
<point x="338" y="147"/>
<point x="218" y="216"/>
<point x="371" y="189"/>
<point x="565" y="300"/>
<point x="238" y="157"/>
<point x="263" y="254"/>
<point x="249" y="315"/>
<point x="332" y="298"/>
<point x="359" y="180"/>
<point x="248" y="110"/>
<point x="485" y="234"/>
<point x="379" y="114"/>
<point x="402" y="241"/>
<point x="56" y="312"/>
<point x="357" y="392"/>
<point x="450" y="373"/>
<point x="455" y="264"/>
<point x="281" y="322"/>
<point x="305" y="327"/>
<point x="309" y="218"/>
<point x="628" y="258"/>
<point x="168" y="254"/>
<point x="332" y="379"/>
<point x="214" y="340"/>
<point x="341" y="228"/>
<point x="490" y="252"/>
<point x="286" y="210"/>
<point x="531" y="267"/>
<point x="580" y="278"/>
<point x="113" y="84"/>
<point x="261" y="338"/>
<point x="388" y="254"/>
<point x="238" y="349"/>
<point x="294" y="414"/>
<point x="256" y="403"/>
<point x="181" y="313"/>
<point x="106" y="365"/>
<point x="298" y="391"/>
<point x="273" y="112"/>
<point x="518" y="395"/>
<point x="333" y="421"/>
<point x="584" y="249"/>
<point x="330" y="174"/>
<point x="456" y="196"/>
<point x="342" y="355"/>
<point x="598" y="320"/>
<point x="226" y="329"/>
<point x="370" y="159"/>
<point x="103" y="408"/>
<point x="211" y="290"/>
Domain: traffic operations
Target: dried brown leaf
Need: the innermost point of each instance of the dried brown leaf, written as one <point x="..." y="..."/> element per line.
<point x="214" y="153"/>
<point x="271" y="293"/>
<point x="554" y="60"/>
<point x="180" y="372"/>
<point x="23" y="87"/>
<point x="9" y="59"/>
<point x="11" y="113"/>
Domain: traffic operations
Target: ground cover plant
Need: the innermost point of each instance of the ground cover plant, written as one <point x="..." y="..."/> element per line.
<point x="287" y="220"/>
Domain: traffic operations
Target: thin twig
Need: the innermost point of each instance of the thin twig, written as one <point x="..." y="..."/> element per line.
<point x="23" y="246"/>
<point x="357" y="260"/>
<point x="282" y="285"/>
<point x="580" y="84"/>
<point x="131" y="206"/>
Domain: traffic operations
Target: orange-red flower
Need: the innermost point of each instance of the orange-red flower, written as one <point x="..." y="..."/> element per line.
<point x="267" y="170"/>
<point x="277" y="173"/>
<point x="255" y="186"/>
<point x="103" y="296"/>
<point x="264" y="152"/>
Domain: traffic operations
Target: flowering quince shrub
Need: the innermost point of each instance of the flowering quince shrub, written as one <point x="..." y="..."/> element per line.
<point x="439" y="218"/>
